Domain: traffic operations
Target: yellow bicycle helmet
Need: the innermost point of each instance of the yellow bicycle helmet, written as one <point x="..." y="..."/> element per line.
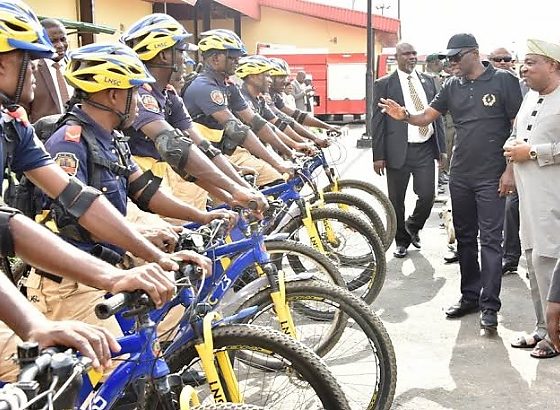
<point x="154" y="33"/>
<point x="20" y="30"/>
<point x="252" y="65"/>
<point x="98" y="67"/>
<point x="280" y="67"/>
<point x="221" y="40"/>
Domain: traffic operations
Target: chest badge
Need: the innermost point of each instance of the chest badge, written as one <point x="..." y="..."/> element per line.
<point x="217" y="97"/>
<point x="150" y="103"/>
<point x="489" y="100"/>
<point x="68" y="162"/>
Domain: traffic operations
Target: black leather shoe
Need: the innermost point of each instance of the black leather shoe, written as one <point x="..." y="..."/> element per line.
<point x="462" y="308"/>
<point x="451" y="257"/>
<point x="489" y="319"/>
<point x="414" y="237"/>
<point x="509" y="267"/>
<point x="400" y="252"/>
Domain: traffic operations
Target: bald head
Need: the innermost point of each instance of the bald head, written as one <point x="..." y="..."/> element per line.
<point x="501" y="58"/>
<point x="300" y="76"/>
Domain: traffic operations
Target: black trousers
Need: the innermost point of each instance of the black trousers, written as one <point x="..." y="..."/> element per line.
<point x="512" y="244"/>
<point x="420" y="164"/>
<point x="477" y="207"/>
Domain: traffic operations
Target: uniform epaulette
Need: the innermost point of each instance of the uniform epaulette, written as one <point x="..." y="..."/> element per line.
<point x="73" y="133"/>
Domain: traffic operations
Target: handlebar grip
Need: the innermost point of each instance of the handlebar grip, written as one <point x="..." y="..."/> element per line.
<point x="113" y="305"/>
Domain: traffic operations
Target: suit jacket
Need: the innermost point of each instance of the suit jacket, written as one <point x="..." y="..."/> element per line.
<point x="46" y="101"/>
<point x="390" y="137"/>
<point x="299" y="95"/>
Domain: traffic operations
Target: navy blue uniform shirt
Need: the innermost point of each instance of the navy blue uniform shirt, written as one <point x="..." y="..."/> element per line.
<point x="68" y="149"/>
<point x="29" y="153"/>
<point x="258" y="104"/>
<point x="154" y="105"/>
<point x="209" y="93"/>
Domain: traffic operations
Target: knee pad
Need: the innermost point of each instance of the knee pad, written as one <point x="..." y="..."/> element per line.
<point x="235" y="134"/>
<point x="147" y="182"/>
<point x="257" y="123"/>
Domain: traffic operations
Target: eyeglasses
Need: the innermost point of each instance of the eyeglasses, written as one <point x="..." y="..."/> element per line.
<point x="505" y="59"/>
<point x="459" y="56"/>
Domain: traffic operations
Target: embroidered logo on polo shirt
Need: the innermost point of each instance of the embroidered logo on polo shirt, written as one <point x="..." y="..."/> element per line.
<point x="150" y="103"/>
<point x="68" y="162"/>
<point x="217" y="97"/>
<point x="489" y="100"/>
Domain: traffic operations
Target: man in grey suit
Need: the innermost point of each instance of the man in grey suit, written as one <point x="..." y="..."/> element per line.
<point x="403" y="149"/>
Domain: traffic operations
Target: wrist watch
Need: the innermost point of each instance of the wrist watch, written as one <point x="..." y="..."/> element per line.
<point x="533" y="153"/>
<point x="406" y="115"/>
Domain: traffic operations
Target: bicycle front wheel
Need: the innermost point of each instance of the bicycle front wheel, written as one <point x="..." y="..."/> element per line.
<point x="295" y="379"/>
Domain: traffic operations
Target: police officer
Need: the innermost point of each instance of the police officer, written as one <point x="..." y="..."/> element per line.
<point x="23" y="39"/>
<point x="296" y="118"/>
<point x="254" y="71"/>
<point x="212" y="101"/>
<point x="164" y="128"/>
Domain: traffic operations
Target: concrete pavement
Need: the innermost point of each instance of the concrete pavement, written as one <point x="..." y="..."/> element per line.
<point x="447" y="364"/>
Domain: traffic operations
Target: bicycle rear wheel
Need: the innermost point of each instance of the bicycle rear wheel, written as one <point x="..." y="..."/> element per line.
<point x="295" y="379"/>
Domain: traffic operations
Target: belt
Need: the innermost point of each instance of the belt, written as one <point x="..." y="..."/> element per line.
<point x="49" y="276"/>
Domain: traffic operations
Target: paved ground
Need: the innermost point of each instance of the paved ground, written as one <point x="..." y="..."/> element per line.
<point x="447" y="364"/>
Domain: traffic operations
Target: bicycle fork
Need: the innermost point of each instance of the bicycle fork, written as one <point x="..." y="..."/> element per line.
<point x="205" y="350"/>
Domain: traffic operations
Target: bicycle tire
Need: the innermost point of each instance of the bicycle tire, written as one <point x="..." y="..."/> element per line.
<point x="298" y="360"/>
<point x="228" y="406"/>
<point x="359" y="317"/>
<point x="380" y="197"/>
<point x="373" y="274"/>
<point x="294" y="250"/>
<point x="366" y="210"/>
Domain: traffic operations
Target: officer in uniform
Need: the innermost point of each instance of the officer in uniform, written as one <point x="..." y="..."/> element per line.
<point x="23" y="39"/>
<point x="212" y="101"/>
<point x="296" y="118"/>
<point x="253" y="70"/>
<point x="162" y="135"/>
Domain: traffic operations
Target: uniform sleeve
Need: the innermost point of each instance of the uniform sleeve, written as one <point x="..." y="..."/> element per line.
<point x="267" y="113"/>
<point x="179" y="117"/>
<point x="30" y="153"/>
<point x="209" y="98"/>
<point x="278" y="101"/>
<point x="149" y="109"/>
<point x="236" y="100"/>
<point x="440" y="102"/>
<point x="69" y="152"/>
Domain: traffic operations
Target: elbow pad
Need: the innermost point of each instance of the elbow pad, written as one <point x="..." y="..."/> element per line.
<point x="257" y="123"/>
<point x="76" y="198"/>
<point x="208" y="149"/>
<point x="235" y="134"/>
<point x="6" y="238"/>
<point x="147" y="182"/>
<point x="174" y="147"/>
<point x="299" y="116"/>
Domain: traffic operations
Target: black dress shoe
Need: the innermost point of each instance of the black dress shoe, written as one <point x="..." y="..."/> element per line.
<point x="509" y="267"/>
<point x="462" y="308"/>
<point x="400" y="252"/>
<point x="451" y="257"/>
<point x="489" y="319"/>
<point x="414" y="237"/>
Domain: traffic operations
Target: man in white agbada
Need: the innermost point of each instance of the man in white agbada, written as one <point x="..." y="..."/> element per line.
<point x="534" y="149"/>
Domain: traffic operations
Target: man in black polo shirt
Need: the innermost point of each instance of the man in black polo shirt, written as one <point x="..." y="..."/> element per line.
<point x="483" y="102"/>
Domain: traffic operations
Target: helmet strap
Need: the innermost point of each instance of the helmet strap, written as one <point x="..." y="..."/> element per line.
<point x="123" y="117"/>
<point x="20" y="82"/>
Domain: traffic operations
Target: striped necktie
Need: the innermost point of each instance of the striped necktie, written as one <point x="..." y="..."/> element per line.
<point x="63" y="89"/>
<point x="417" y="103"/>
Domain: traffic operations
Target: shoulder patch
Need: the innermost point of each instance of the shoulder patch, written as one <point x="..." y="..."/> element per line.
<point x="217" y="97"/>
<point x="73" y="133"/>
<point x="150" y="103"/>
<point x="68" y="162"/>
